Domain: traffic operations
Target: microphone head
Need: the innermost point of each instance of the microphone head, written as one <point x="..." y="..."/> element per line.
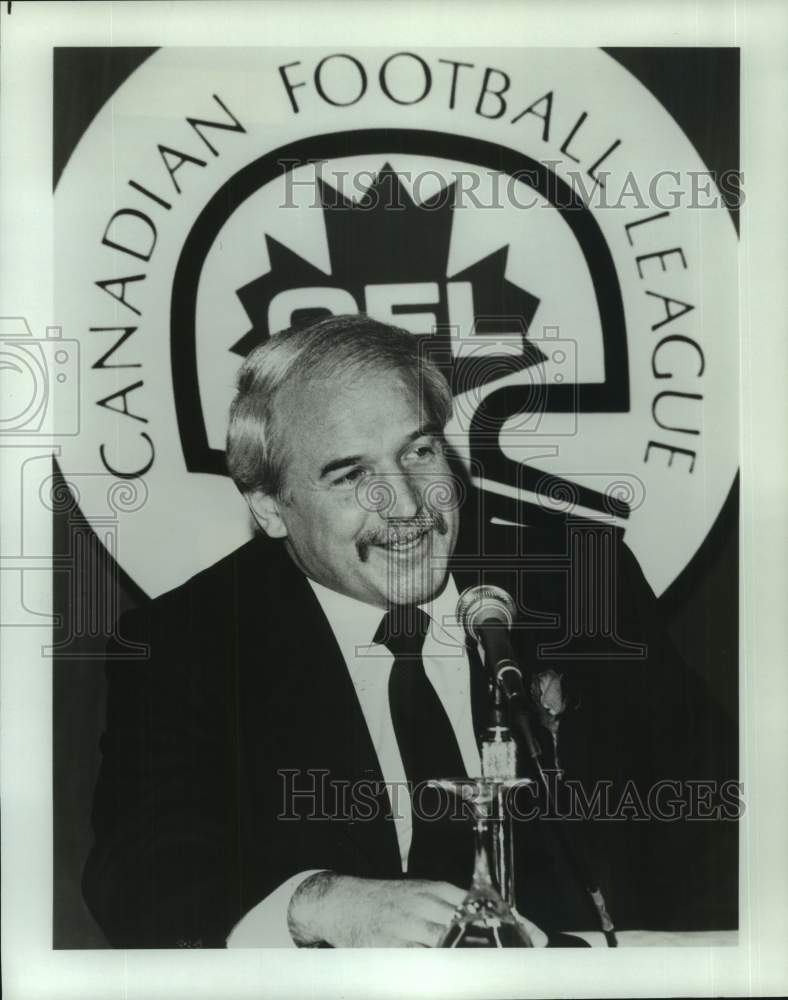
<point x="484" y="605"/>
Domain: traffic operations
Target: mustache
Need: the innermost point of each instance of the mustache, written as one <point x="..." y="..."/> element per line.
<point x="399" y="529"/>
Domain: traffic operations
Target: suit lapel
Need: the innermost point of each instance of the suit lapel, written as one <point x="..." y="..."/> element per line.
<point x="313" y="679"/>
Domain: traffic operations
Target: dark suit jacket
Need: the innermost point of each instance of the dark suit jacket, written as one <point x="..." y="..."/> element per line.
<point x="245" y="695"/>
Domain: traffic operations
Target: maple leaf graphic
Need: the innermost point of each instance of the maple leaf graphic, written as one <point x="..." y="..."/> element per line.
<point x="387" y="238"/>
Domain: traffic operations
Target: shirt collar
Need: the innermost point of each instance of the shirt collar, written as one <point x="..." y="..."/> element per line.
<point x="354" y="622"/>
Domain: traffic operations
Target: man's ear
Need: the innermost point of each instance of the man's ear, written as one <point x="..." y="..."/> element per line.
<point x="265" y="510"/>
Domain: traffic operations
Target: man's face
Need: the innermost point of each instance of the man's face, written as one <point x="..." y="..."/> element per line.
<point x="370" y="504"/>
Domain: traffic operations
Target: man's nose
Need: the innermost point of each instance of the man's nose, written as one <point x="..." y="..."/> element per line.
<point x="406" y="498"/>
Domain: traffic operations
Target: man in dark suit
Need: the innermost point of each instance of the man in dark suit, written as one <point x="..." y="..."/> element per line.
<point x="248" y="789"/>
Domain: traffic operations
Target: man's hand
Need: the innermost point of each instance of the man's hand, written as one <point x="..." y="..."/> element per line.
<point x="349" y="912"/>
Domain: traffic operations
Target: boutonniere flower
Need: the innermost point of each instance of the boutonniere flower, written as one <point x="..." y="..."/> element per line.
<point x="548" y="694"/>
<point x="548" y="697"/>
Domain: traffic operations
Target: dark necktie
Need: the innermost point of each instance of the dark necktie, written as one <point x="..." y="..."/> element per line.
<point x="442" y="843"/>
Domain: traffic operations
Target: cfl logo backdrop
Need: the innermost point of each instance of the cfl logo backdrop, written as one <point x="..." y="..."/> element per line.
<point x="532" y="220"/>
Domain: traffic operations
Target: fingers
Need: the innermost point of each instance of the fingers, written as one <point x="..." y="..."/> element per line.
<point x="432" y="906"/>
<point x="449" y="893"/>
<point x="434" y="933"/>
<point x="392" y="913"/>
<point x="436" y="910"/>
<point x="424" y="934"/>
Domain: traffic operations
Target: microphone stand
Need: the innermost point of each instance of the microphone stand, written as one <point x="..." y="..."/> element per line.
<point x="574" y="855"/>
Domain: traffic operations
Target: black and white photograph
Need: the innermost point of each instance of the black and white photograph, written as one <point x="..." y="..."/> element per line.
<point x="392" y="524"/>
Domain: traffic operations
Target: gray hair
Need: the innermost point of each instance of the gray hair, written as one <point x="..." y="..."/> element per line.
<point x="256" y="451"/>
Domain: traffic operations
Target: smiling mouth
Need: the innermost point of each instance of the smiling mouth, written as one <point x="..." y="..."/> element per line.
<point x="399" y="540"/>
<point x="404" y="536"/>
<point x="405" y="542"/>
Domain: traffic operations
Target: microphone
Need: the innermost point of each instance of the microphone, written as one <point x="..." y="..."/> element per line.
<point x="487" y="613"/>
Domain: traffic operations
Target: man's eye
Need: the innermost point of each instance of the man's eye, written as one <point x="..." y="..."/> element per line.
<point x="352" y="476"/>
<point x="423" y="451"/>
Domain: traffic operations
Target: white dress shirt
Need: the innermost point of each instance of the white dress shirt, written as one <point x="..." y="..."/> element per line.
<point x="446" y="664"/>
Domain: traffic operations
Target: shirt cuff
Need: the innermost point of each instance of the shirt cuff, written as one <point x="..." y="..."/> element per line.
<point x="265" y="925"/>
